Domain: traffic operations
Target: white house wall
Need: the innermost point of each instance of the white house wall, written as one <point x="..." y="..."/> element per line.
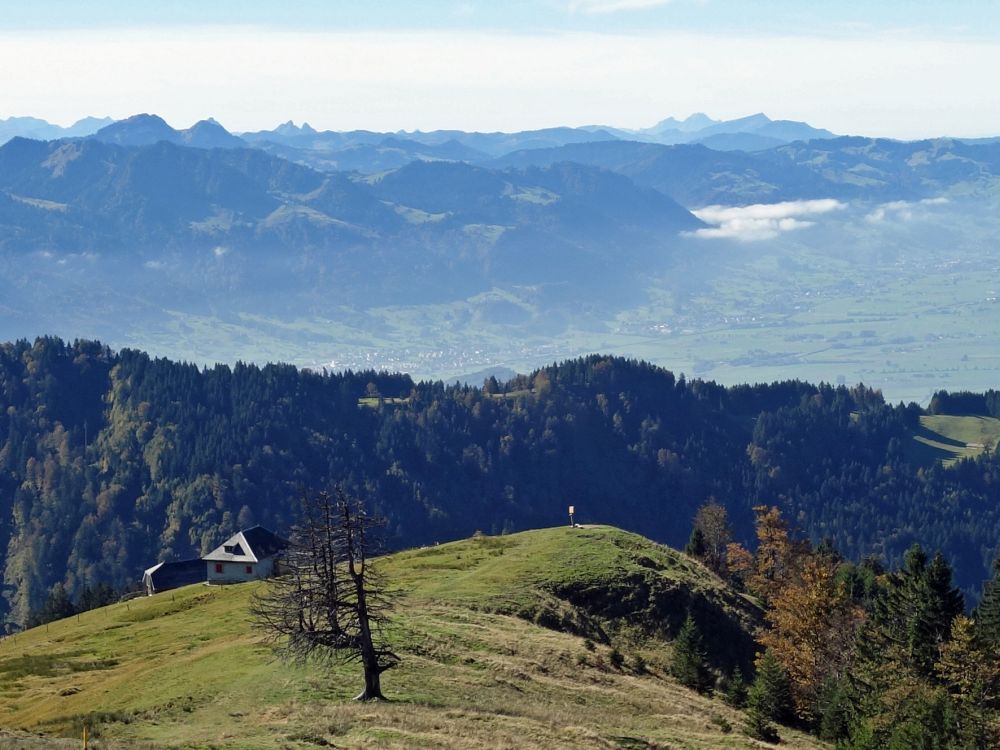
<point x="236" y="572"/>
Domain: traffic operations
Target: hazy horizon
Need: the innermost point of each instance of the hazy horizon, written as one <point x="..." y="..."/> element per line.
<point x="895" y="70"/>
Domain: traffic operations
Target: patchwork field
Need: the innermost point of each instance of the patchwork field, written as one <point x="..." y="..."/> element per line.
<point x="948" y="438"/>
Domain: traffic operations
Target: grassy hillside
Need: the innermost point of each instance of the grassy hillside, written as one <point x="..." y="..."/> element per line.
<point x="948" y="438"/>
<point x="484" y="664"/>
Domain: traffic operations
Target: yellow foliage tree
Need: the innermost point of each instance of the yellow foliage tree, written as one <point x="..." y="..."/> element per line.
<point x="778" y="555"/>
<point x="811" y="623"/>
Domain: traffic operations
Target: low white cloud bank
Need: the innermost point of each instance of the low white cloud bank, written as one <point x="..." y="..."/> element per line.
<point x="901" y="210"/>
<point x="762" y="221"/>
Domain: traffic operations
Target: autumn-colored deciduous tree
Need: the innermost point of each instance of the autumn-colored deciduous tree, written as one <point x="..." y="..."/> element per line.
<point x="811" y="624"/>
<point x="778" y="555"/>
<point x="739" y="564"/>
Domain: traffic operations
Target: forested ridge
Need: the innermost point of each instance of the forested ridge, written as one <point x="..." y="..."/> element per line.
<point x="111" y="461"/>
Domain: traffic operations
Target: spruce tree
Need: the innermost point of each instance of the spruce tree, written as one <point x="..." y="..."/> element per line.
<point x="771" y="692"/>
<point x="696" y="544"/>
<point x="946" y="601"/>
<point x="988" y="611"/>
<point x="689" y="663"/>
<point x="736" y="689"/>
<point x="893" y="694"/>
<point x="834" y="711"/>
<point x="758" y="723"/>
<point x="913" y="617"/>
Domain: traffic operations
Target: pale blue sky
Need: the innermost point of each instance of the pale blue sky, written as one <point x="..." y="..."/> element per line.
<point x="981" y="17"/>
<point x="907" y="69"/>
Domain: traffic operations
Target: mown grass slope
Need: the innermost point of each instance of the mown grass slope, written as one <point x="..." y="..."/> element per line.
<point x="949" y="438"/>
<point x="491" y="631"/>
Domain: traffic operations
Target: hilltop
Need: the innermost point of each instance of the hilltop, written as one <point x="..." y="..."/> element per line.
<point x="485" y="627"/>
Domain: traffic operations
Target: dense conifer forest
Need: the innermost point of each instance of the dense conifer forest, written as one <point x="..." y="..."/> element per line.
<point x="111" y="461"/>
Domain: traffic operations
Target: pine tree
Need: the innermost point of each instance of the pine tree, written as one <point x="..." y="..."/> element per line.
<point x="758" y="722"/>
<point x="928" y="725"/>
<point x="689" y="663"/>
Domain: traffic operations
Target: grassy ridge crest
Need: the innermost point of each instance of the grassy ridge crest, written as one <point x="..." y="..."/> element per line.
<point x="488" y="659"/>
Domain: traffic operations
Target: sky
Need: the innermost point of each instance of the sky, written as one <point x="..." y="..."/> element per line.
<point x="906" y="69"/>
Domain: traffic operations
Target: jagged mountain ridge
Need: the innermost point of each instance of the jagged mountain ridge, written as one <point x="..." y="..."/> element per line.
<point x="370" y="151"/>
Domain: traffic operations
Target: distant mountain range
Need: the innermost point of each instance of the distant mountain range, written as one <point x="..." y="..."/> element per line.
<point x="442" y="224"/>
<point x="141" y="186"/>
<point x="311" y="243"/>
<point x="32" y="127"/>
<point x="694" y="161"/>
<point x="753" y="133"/>
<point x="868" y="169"/>
<point x="371" y="152"/>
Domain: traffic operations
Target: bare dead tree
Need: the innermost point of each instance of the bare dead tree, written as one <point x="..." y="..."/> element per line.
<point x="329" y="602"/>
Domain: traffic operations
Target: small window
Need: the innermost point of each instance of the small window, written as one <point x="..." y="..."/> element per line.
<point x="249" y="569"/>
<point x="218" y="567"/>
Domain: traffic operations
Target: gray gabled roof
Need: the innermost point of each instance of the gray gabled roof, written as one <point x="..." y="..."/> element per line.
<point x="174" y="574"/>
<point x="251" y="545"/>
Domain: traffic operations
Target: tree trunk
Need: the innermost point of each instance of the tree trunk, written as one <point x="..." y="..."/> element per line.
<point x="369" y="657"/>
<point x="373" y="687"/>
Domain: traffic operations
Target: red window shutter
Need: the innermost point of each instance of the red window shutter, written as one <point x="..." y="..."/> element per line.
<point x="218" y="567"/>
